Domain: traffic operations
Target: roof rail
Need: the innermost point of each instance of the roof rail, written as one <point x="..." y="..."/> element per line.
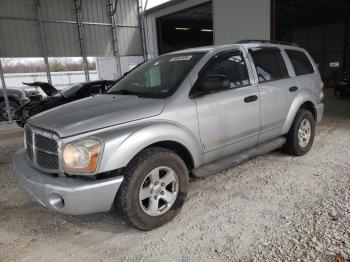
<point x="266" y="42"/>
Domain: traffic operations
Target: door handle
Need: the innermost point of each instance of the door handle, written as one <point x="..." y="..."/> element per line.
<point x="293" y="89"/>
<point x="250" y="99"/>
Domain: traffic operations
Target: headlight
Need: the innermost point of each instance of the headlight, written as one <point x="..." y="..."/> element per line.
<point x="81" y="156"/>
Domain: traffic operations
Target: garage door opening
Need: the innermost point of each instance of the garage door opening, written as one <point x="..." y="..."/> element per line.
<point x="322" y="27"/>
<point x="188" y="28"/>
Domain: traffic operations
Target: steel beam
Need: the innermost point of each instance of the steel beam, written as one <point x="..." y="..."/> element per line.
<point x="15" y="18"/>
<point x="43" y="40"/>
<point x="141" y="14"/>
<point x="77" y="5"/>
<point x="7" y="102"/>
<point x="112" y="9"/>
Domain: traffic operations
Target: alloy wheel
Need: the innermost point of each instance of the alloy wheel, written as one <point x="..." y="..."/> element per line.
<point x="158" y="191"/>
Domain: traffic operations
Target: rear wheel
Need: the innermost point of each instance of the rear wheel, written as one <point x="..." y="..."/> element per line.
<point x="3" y="110"/>
<point x="154" y="188"/>
<point x="301" y="134"/>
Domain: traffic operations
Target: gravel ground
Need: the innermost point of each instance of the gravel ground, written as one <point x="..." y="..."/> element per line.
<point x="272" y="208"/>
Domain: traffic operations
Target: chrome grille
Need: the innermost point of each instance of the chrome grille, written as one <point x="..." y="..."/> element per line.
<point x="45" y="143"/>
<point x="42" y="148"/>
<point x="29" y="136"/>
<point x="46" y="160"/>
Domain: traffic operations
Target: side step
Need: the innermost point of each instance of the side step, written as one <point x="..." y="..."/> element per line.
<point x="234" y="160"/>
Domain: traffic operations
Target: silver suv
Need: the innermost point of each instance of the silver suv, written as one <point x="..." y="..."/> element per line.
<point x="194" y="112"/>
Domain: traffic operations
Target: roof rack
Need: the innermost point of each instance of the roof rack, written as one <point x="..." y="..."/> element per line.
<point x="265" y="42"/>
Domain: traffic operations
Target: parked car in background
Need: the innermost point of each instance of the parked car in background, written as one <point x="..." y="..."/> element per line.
<point x="55" y="97"/>
<point x="17" y="97"/>
<point x="342" y="89"/>
<point x="193" y="112"/>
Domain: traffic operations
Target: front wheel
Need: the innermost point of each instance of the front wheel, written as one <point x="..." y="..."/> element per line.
<point x="154" y="188"/>
<point x="301" y="134"/>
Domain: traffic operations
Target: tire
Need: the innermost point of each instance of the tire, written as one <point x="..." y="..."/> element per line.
<point x="138" y="177"/>
<point x="295" y="146"/>
<point x="3" y="112"/>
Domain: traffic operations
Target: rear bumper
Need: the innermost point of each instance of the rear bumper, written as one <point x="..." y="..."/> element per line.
<point x="319" y="110"/>
<point x="65" y="195"/>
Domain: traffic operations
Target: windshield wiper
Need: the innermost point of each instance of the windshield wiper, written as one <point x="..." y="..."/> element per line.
<point x="125" y="92"/>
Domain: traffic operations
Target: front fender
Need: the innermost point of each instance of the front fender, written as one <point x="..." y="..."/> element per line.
<point x="121" y="146"/>
<point x="299" y="100"/>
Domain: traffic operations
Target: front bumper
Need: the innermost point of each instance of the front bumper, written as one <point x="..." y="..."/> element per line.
<point x="319" y="110"/>
<point x="65" y="195"/>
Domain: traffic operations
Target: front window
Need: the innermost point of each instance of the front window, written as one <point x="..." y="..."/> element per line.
<point x="230" y="64"/>
<point x="71" y="90"/>
<point x="157" y="78"/>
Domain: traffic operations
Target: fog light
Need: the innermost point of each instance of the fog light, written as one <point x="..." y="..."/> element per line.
<point x="56" y="201"/>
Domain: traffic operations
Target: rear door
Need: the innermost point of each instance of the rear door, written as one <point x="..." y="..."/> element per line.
<point x="305" y="74"/>
<point x="277" y="89"/>
<point x="229" y="120"/>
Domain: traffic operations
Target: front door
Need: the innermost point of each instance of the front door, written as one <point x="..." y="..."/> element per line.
<point x="229" y="120"/>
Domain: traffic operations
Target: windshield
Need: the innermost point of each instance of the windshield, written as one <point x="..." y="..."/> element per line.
<point x="71" y="90"/>
<point x="157" y="78"/>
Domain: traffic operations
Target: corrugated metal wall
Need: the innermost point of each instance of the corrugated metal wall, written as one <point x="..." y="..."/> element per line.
<point x="20" y="31"/>
<point x="325" y="44"/>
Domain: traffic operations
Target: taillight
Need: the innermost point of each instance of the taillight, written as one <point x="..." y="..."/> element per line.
<point x="322" y="93"/>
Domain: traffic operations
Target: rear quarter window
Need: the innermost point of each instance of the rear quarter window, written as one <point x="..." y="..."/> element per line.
<point x="301" y="63"/>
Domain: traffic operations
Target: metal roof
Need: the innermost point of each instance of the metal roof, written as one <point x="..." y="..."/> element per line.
<point x="21" y="36"/>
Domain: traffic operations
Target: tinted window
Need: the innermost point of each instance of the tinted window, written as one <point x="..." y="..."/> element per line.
<point x="300" y="62"/>
<point x="71" y="90"/>
<point x="231" y="65"/>
<point x="269" y="64"/>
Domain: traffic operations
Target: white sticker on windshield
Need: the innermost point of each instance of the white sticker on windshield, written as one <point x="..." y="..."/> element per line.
<point x="180" y="58"/>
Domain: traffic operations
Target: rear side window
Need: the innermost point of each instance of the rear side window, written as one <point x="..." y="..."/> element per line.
<point x="301" y="63"/>
<point x="269" y="64"/>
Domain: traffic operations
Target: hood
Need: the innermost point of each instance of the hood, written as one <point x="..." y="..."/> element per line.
<point x="12" y="92"/>
<point x="48" y="89"/>
<point x="96" y="112"/>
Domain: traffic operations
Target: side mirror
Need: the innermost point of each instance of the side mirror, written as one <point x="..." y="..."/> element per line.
<point x="214" y="83"/>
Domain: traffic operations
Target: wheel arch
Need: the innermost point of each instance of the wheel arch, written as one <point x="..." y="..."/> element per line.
<point x="166" y="135"/>
<point x="179" y="149"/>
<point x="300" y="102"/>
<point x="308" y="105"/>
